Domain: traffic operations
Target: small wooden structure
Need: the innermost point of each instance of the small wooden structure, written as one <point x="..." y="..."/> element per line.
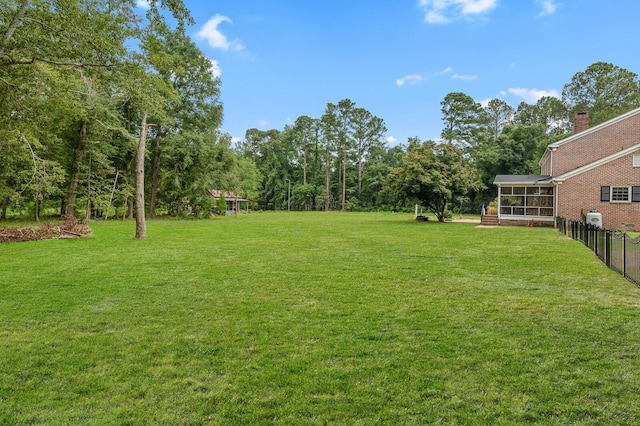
<point x="235" y="203"/>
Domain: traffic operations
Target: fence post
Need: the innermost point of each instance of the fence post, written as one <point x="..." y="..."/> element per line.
<point x="607" y="248"/>
<point x="624" y="254"/>
<point x="586" y="235"/>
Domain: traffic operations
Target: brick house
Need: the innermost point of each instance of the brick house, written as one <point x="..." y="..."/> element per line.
<point x="595" y="168"/>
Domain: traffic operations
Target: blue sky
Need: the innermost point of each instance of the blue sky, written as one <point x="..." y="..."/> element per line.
<point x="279" y="59"/>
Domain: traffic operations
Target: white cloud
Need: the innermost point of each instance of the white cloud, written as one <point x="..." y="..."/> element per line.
<point x="549" y="7"/>
<point x="142" y="4"/>
<point x="444" y="11"/>
<point x="214" y="37"/>
<point x="446" y="70"/>
<point x="263" y="123"/>
<point x="215" y="68"/>
<point x="533" y="95"/>
<point x="391" y="140"/>
<point x="409" y="79"/>
<point x="235" y="140"/>
<point x="512" y="66"/>
<point x="485" y="102"/>
<point x="464" y="77"/>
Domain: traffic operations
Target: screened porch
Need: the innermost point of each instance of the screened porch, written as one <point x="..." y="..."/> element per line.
<point x="525" y="198"/>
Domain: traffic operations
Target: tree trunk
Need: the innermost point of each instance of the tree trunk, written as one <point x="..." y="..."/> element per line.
<point x="127" y="206"/>
<point x="130" y="209"/>
<point x="5" y="202"/>
<point x="154" y="177"/>
<point x="15" y="23"/>
<point x="72" y="192"/>
<point x="3" y="211"/>
<point x="360" y="177"/>
<point x="113" y="190"/>
<point x="344" y="181"/>
<point x="304" y="168"/>
<point x="141" y="224"/>
<point x="37" y="208"/>
<point x="326" y="182"/>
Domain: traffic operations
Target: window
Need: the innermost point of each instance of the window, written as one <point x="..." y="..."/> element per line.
<point x="620" y="194"/>
<point x="532" y="201"/>
<point x="636" y="161"/>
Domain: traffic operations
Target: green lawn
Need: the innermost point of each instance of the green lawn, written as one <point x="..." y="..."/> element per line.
<point x="316" y="318"/>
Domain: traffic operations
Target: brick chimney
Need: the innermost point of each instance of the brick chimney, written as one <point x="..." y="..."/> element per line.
<point x="580" y="122"/>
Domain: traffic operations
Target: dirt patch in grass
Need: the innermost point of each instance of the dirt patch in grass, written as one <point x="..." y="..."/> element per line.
<point x="45" y="231"/>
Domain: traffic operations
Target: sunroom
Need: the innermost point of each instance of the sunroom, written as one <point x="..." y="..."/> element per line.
<point x="525" y="199"/>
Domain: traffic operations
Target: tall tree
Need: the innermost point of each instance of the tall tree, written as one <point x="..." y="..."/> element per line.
<point x="463" y="119"/>
<point x="604" y="90"/>
<point x="368" y="134"/>
<point x="498" y="114"/>
<point x="193" y="118"/>
<point x="338" y="121"/>
<point x="549" y="112"/>
<point x="303" y="133"/>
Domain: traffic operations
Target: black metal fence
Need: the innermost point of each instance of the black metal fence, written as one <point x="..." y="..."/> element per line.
<point x="618" y="250"/>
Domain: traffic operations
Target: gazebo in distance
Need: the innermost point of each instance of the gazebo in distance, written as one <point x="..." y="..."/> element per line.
<point x="235" y="204"/>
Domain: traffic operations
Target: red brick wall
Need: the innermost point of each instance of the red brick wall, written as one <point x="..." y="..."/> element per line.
<point x="545" y="163"/>
<point x="526" y="222"/>
<point x="582" y="192"/>
<point x="591" y="146"/>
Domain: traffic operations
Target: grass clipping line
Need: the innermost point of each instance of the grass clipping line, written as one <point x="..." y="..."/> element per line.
<point x="46" y="231"/>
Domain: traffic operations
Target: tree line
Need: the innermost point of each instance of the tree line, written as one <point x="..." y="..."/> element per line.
<point x="107" y="111"/>
<point x="341" y="160"/>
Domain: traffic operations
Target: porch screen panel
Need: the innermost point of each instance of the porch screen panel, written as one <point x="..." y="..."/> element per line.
<point x="532" y="201"/>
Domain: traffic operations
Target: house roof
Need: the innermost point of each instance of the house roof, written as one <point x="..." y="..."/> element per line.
<point x="521" y="179"/>
<point x="228" y="195"/>
<point x="593" y="129"/>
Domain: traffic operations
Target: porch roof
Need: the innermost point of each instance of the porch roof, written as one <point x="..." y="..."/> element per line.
<point x="228" y="195"/>
<point x="521" y="179"/>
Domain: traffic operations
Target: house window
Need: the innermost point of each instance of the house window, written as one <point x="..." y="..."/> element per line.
<point x="620" y="194"/>
<point x="636" y="161"/>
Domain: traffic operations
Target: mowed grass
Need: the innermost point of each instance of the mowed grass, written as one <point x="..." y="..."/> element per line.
<point x="315" y="318"/>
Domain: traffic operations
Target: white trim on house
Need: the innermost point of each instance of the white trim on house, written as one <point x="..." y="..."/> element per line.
<point x="594" y="129"/>
<point x="595" y="164"/>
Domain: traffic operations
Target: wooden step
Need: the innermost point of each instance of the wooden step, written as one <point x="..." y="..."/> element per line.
<point x="489" y="220"/>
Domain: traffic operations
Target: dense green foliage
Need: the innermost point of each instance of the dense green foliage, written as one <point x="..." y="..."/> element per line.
<point x="436" y="175"/>
<point x="76" y="80"/>
<point x="604" y="90"/>
<point x="316" y="318"/>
